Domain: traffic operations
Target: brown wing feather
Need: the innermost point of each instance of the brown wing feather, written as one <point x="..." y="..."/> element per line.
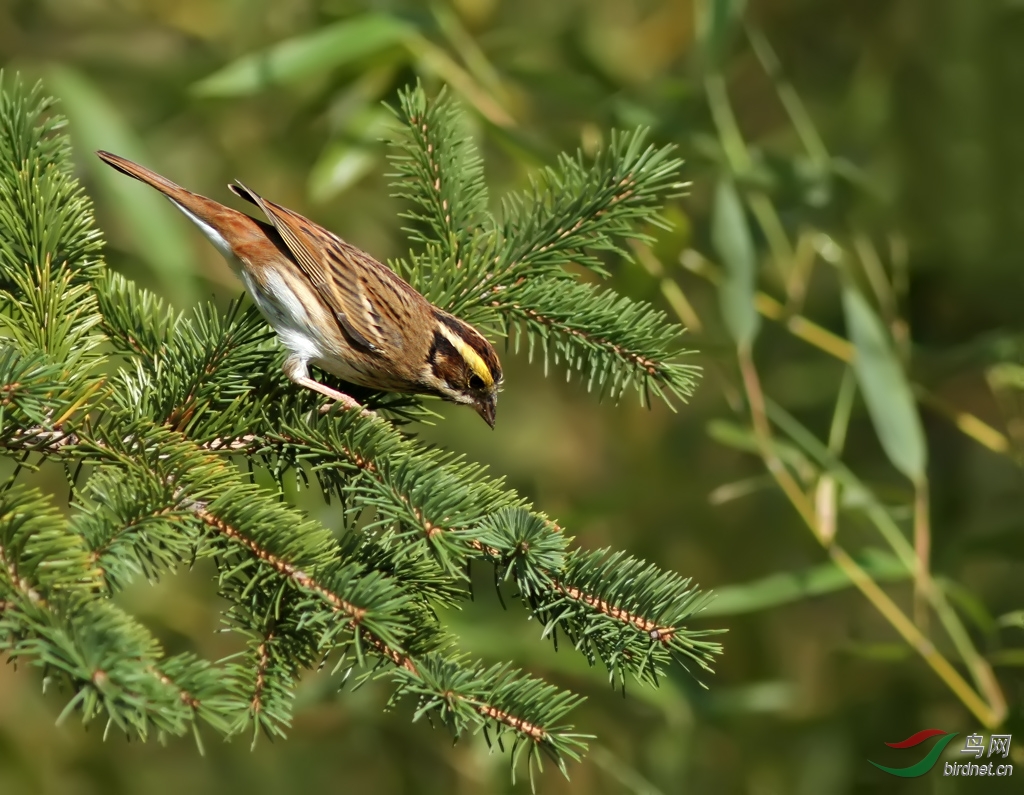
<point x="341" y="273"/>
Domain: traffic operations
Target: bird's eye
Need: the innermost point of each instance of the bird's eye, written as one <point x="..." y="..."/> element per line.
<point x="476" y="382"/>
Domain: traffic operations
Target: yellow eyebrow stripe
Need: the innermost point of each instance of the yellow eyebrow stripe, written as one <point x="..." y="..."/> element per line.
<point x="473" y="359"/>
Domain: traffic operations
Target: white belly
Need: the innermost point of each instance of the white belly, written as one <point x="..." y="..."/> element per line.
<point x="295" y="330"/>
<point x="285" y="312"/>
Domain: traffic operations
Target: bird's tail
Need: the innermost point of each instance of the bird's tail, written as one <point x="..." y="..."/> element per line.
<point x="224" y="226"/>
<point x="143" y="174"/>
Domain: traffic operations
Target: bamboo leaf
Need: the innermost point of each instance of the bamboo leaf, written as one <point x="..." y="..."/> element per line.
<point x="352" y="156"/>
<point x="304" y="56"/>
<point x="161" y="241"/>
<point x="717" y="22"/>
<point x="740" y="438"/>
<point x="787" y="587"/>
<point x="732" y="240"/>
<point x="884" y="385"/>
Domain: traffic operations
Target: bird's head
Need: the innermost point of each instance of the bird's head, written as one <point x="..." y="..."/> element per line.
<point x="463" y="367"/>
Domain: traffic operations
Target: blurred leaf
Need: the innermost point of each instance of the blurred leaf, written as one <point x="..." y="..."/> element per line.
<point x="884" y="385"/>
<point x="347" y="160"/>
<point x="1014" y="657"/>
<point x="436" y="61"/>
<point x="784" y="588"/>
<point x="340" y="166"/>
<point x="816" y="165"/>
<point x="624" y="773"/>
<point x="1012" y="619"/>
<point x="739" y="438"/>
<point x="718" y="20"/>
<point x="1006" y="375"/>
<point x="969" y="604"/>
<point x="463" y="42"/>
<point x="879" y="652"/>
<point x="855" y="494"/>
<point x="161" y="241"/>
<point x="738" y="489"/>
<point x="760" y="697"/>
<point x="307" y="55"/>
<point x="731" y="238"/>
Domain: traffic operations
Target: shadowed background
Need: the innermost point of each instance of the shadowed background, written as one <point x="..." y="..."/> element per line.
<point x="894" y="127"/>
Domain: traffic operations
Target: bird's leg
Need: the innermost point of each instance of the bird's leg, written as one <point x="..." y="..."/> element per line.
<point x="347" y="401"/>
<point x="295" y="369"/>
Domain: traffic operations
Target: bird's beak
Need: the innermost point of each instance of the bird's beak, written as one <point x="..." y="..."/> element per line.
<point x="487" y="408"/>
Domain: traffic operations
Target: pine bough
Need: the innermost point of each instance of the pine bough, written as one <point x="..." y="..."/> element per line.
<point x="158" y="407"/>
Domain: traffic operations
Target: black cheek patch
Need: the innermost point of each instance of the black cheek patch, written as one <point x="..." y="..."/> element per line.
<point x="441" y="348"/>
<point x="447" y="364"/>
<point x="451" y="372"/>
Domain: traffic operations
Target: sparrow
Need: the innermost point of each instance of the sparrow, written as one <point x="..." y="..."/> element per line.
<point x="335" y="307"/>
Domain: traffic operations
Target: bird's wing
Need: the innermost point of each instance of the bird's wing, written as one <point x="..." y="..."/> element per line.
<point x="365" y="297"/>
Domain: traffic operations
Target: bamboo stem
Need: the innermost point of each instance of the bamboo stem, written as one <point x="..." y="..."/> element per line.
<point x="923" y="553"/>
<point x="991" y="713"/>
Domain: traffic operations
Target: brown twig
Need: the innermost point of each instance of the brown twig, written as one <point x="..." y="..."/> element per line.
<point x="57" y="438"/>
<point x="652" y="367"/>
<point x="186" y="698"/>
<point x="283" y="567"/>
<point x="535" y="733"/>
<point x="654" y="631"/>
<point x="399" y="659"/>
<point x="262" y="663"/>
<point x="54" y="439"/>
<point x="521" y="725"/>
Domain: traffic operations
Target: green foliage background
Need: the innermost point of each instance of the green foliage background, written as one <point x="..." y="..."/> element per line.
<point x="890" y="127"/>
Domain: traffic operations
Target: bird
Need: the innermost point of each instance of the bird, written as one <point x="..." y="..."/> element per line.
<point x="337" y="308"/>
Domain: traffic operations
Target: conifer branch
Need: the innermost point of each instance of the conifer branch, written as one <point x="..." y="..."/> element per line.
<point x="451" y="542"/>
<point x="568" y="215"/>
<point x="661" y="634"/>
<point x="284" y="568"/>
<point x="109" y="660"/>
<point x="199" y="389"/>
<point x="620" y="342"/>
<point x="510" y="272"/>
<point x="439" y="170"/>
